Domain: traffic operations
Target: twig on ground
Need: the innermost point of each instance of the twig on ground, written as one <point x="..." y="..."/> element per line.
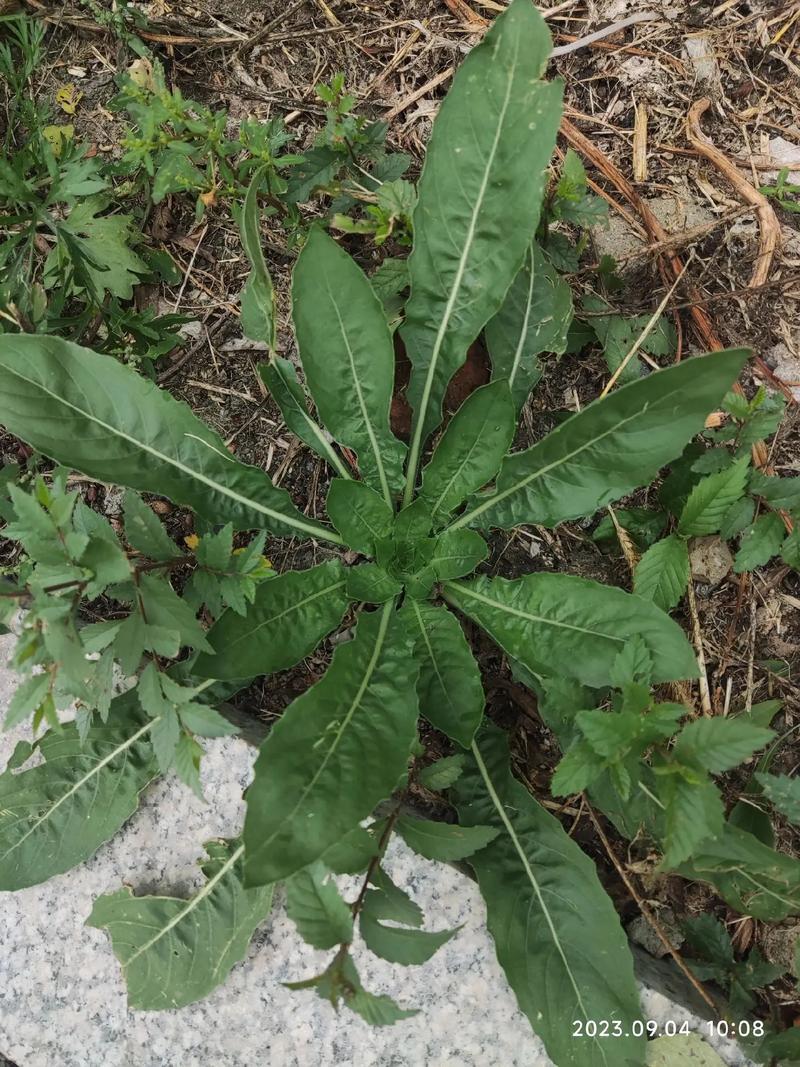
<point x="697" y="634"/>
<point x="606" y="31"/>
<point x="647" y="330"/>
<point x="647" y="912"/>
<point x="769" y="227"/>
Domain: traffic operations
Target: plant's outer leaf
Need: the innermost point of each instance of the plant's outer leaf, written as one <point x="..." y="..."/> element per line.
<point x="56" y="815"/>
<point x="335" y="753"/>
<point x="449" y="686"/>
<point x="479" y="201"/>
<point x="205" y="721"/>
<point x="719" y="744"/>
<point x="145" y="532"/>
<point x="782" y="791"/>
<point x="682" y="1050"/>
<point x="444" y="841"/>
<point x="760" y="543"/>
<point x="470" y="450"/>
<point x="712" y="498"/>
<point x="534" y="318"/>
<point x="399" y="944"/>
<point x="174" y="951"/>
<point x="372" y="584"/>
<point x="753" y="878"/>
<point x="280" y="377"/>
<point x="288" y="618"/>
<point x="546" y="619"/>
<point x="662" y="573"/>
<point x="258" y="296"/>
<point x="340" y="983"/>
<point x="361" y="515"/>
<point x="90" y="412"/>
<point x="100" y="241"/>
<point x="348" y="357"/>
<point x="317" y="909"/>
<point x="618" y="333"/>
<point x="611" y="447"/>
<point x="556" y="933"/>
<point x="694" y="814"/>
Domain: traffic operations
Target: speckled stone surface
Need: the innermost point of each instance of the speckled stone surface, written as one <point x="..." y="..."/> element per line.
<point x="62" y="1000"/>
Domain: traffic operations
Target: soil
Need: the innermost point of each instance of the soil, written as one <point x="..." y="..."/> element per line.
<point x="744" y="55"/>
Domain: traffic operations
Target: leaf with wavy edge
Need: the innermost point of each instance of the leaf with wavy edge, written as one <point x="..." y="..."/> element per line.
<point x="288" y="618"/>
<point x="54" y="816"/>
<point x="479" y="201"/>
<point x="348" y="358"/>
<point x="335" y="753"/>
<point x="614" y="445"/>
<point x="573" y="625"/>
<point x="555" y="930"/>
<point x="534" y="318"/>
<point x="90" y="412"/>
<point x="258" y="296"/>
<point x="175" y="951"/>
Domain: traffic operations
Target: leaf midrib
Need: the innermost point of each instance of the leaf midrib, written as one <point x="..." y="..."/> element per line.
<point x="385" y="490"/>
<point x="308" y="528"/>
<point x="464" y="590"/>
<point x="468" y="516"/>
<point x="501" y="811"/>
<point x="509" y="828"/>
<point x="296" y="606"/>
<point x="77" y="786"/>
<point x="191" y="904"/>
<point x="524" y="330"/>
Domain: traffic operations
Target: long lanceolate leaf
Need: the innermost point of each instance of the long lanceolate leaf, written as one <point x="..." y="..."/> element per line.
<point x="544" y="620"/>
<point x="450" y="691"/>
<point x="258" y="295"/>
<point x="337" y="751"/>
<point x="280" y="378"/>
<point x="479" y="200"/>
<point x="556" y="933"/>
<point x="470" y="451"/>
<point x="90" y="412"/>
<point x="57" y="814"/>
<point x="534" y="318"/>
<point x="174" y="952"/>
<point x="288" y="618"/>
<point x="348" y="357"/>
<point x="611" y="447"/>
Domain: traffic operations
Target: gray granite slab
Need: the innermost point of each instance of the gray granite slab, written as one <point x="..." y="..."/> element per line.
<point x="62" y="1000"/>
